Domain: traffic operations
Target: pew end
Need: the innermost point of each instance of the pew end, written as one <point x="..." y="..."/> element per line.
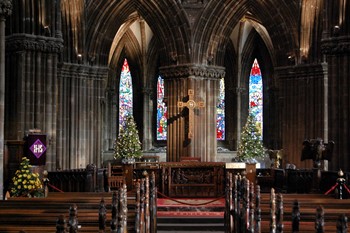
<point x="115" y="182"/>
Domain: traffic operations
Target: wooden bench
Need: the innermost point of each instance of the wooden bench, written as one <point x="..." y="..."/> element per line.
<point x="308" y="203"/>
<point x="40" y="214"/>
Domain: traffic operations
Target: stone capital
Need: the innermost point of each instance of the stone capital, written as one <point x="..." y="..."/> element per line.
<point x="5" y="8"/>
<point x="336" y="45"/>
<point x="23" y="42"/>
<point x="198" y="71"/>
<point x="74" y="71"/>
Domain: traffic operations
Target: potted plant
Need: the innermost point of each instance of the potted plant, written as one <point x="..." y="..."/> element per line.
<point x="127" y="146"/>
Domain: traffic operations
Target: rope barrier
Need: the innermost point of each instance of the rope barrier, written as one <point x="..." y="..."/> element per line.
<point x="347" y="189"/>
<point x="55" y="188"/>
<point x="331" y="189"/>
<point x="186" y="203"/>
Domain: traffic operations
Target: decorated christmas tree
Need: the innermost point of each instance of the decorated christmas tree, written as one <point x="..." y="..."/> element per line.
<point x="25" y="182"/>
<point x="128" y="145"/>
<point x="251" y="146"/>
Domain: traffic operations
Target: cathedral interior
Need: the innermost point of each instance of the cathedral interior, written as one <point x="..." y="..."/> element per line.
<point x="61" y="65"/>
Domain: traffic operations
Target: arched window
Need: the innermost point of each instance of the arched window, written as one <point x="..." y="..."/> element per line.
<point x="161" y="111"/>
<point x="256" y="95"/>
<point x="125" y="93"/>
<point x="220" y="111"/>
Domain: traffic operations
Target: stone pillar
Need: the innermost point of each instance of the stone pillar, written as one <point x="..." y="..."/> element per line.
<point x="336" y="48"/>
<point x="147" y="92"/>
<point x="302" y="94"/>
<point x="191" y="93"/>
<point x="58" y="31"/>
<point x="147" y="121"/>
<point x="239" y="92"/>
<point x="5" y="10"/>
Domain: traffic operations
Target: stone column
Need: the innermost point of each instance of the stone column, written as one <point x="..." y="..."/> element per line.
<point x="147" y="121"/>
<point x="147" y="93"/>
<point x="336" y="48"/>
<point x="302" y="95"/>
<point x="5" y="10"/>
<point x="338" y="97"/>
<point x="191" y="93"/>
<point x="58" y="31"/>
<point x="239" y="92"/>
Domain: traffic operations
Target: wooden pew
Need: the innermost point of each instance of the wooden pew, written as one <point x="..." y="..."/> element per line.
<point x="41" y="214"/>
<point x="242" y="205"/>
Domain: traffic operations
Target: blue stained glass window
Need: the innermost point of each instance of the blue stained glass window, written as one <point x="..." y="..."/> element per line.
<point x="256" y="94"/>
<point x="161" y="111"/>
<point x="125" y="93"/>
<point x="220" y="111"/>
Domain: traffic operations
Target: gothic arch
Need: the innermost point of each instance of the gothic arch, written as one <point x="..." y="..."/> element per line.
<point x="281" y="24"/>
<point x="213" y="37"/>
<point x="177" y="42"/>
<point x="203" y="41"/>
<point x="107" y="18"/>
<point x="128" y="47"/>
<point x="180" y="42"/>
<point x="255" y="47"/>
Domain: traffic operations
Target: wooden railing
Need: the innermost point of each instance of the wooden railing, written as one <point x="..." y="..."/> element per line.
<point x="90" y="179"/>
<point x="172" y="180"/>
<point x="192" y="179"/>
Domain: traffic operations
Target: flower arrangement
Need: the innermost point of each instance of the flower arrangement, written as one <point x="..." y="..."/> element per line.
<point x="127" y="145"/>
<point x="25" y="182"/>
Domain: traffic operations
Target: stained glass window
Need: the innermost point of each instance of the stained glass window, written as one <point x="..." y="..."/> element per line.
<point x="256" y="94"/>
<point x="125" y="93"/>
<point x="220" y="111"/>
<point x="161" y="111"/>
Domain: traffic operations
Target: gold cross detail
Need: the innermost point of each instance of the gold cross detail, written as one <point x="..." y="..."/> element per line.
<point x="191" y="105"/>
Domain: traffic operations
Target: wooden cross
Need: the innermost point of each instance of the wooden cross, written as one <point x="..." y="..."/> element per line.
<point x="191" y="105"/>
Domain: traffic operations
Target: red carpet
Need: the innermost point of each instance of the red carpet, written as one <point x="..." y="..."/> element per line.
<point x="191" y="207"/>
<point x="177" y="202"/>
<point x="201" y="214"/>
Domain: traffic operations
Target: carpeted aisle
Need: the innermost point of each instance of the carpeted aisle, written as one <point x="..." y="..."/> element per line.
<point x="211" y="202"/>
<point x="191" y="207"/>
<point x="179" y="215"/>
